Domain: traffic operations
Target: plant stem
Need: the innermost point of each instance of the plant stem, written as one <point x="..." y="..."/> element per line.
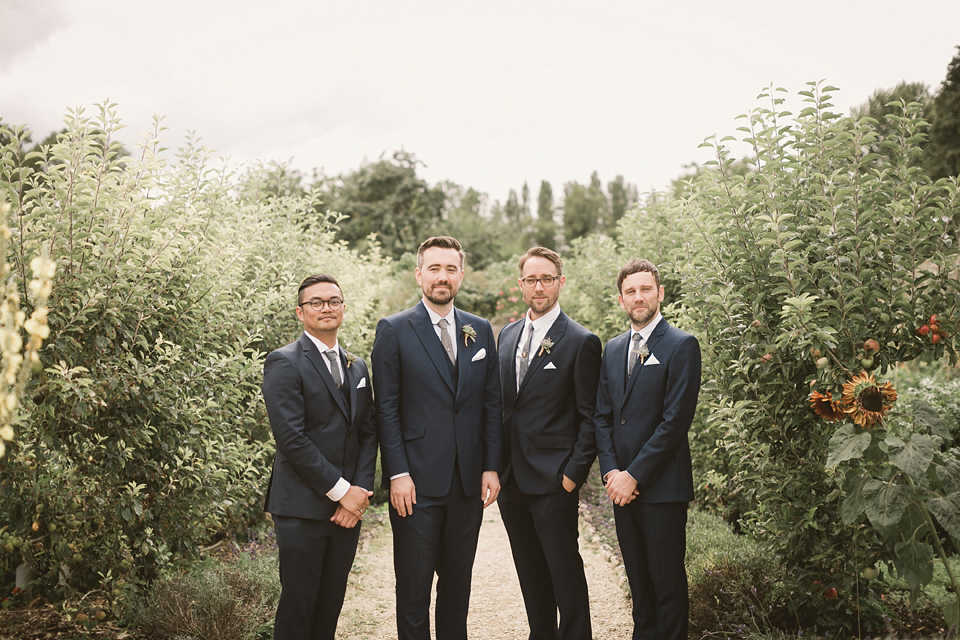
<point x="938" y="545"/>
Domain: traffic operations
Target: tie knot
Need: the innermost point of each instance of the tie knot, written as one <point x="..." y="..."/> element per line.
<point x="331" y="355"/>
<point x="636" y="338"/>
<point x="442" y="323"/>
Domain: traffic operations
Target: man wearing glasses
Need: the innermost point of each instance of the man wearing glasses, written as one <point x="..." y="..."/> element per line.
<point x="320" y="406"/>
<point x="549" y="368"/>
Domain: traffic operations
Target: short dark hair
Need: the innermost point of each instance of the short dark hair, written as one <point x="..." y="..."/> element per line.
<point x="542" y="252"/>
<point x="637" y="265"/>
<point x="316" y="278"/>
<point x="443" y="242"/>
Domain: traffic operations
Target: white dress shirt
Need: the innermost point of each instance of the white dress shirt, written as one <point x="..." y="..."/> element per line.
<point x="451" y="326"/>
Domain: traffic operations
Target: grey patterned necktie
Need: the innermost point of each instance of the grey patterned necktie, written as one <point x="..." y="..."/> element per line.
<point x="525" y="354"/>
<point x="634" y="353"/>
<point x="445" y="339"/>
<point x="331" y="355"/>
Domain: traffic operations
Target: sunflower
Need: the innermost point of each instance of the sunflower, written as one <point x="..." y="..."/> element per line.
<point x="866" y="400"/>
<point x="825" y="406"/>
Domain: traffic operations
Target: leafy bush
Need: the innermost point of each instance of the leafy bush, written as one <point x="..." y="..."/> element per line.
<point x="147" y="435"/>
<point x="215" y="600"/>
<point x="819" y="262"/>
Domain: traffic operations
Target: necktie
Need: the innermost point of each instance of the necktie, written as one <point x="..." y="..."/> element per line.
<point x="331" y="355"/>
<point x="445" y="339"/>
<point x="634" y="352"/>
<point x="525" y="354"/>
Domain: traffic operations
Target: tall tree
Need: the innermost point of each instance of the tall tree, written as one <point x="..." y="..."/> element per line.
<point x="943" y="149"/>
<point x="546" y="231"/>
<point x="584" y="208"/>
<point x="891" y="102"/>
<point x="385" y="200"/>
<point x="622" y="196"/>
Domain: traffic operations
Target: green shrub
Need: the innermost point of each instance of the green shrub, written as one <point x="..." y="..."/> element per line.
<point x="145" y="435"/>
<point x="215" y="600"/>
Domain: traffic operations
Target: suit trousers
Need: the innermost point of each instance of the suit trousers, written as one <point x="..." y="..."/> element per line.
<point x="543" y="532"/>
<point x="439" y="536"/>
<point x="652" y="540"/>
<point x="315" y="560"/>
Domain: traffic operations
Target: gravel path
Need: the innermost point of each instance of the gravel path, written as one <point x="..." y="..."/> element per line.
<point x="496" y="606"/>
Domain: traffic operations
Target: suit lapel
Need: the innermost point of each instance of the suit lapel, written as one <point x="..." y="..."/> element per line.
<point x="658" y="332"/>
<point x="420" y="321"/>
<point x="464" y="352"/>
<point x="317" y="360"/>
<point x="540" y="357"/>
<point x="353" y="378"/>
<point x="510" y="364"/>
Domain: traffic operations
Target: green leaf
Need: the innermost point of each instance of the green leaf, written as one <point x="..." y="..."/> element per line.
<point x="925" y="414"/>
<point x="949" y="475"/>
<point x="854" y="504"/>
<point x="915" y="457"/>
<point x="847" y="444"/>
<point x="885" y="503"/>
<point x="946" y="509"/>
<point x="914" y="562"/>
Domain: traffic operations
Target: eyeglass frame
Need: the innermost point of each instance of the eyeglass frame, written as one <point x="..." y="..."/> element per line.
<point x="553" y="280"/>
<point x="314" y="302"/>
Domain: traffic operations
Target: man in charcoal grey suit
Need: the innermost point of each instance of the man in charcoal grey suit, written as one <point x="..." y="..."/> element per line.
<point x="320" y="405"/>
<point x="549" y="366"/>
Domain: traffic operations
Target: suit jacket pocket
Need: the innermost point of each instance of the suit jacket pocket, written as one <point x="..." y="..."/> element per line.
<point x="414" y="431"/>
<point x="554" y="442"/>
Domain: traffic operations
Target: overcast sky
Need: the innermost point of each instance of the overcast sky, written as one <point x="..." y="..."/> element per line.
<point x="487" y="94"/>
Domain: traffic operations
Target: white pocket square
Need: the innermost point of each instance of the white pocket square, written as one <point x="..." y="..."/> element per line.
<point x="549" y="365"/>
<point x="480" y="355"/>
<point x="651" y="360"/>
<point x="363" y="383"/>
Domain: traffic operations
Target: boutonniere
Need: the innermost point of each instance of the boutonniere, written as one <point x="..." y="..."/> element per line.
<point x="469" y="333"/>
<point x="350" y="359"/>
<point x="545" y="345"/>
<point x="642" y="353"/>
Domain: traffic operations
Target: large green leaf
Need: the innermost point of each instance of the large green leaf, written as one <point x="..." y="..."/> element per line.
<point x="914" y="562"/>
<point x="949" y="475"/>
<point x="915" y="456"/>
<point x="946" y="510"/>
<point x="854" y="503"/>
<point x="847" y="444"/>
<point x="884" y="503"/>
<point x="926" y="414"/>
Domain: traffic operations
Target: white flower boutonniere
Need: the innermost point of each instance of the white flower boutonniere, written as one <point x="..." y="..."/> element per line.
<point x="469" y="333"/>
<point x="545" y="346"/>
<point x="350" y="359"/>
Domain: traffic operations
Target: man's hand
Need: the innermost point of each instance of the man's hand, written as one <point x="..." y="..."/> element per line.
<point x="344" y="518"/>
<point x="489" y="487"/>
<point x="621" y="488"/>
<point x="569" y="485"/>
<point x="403" y="495"/>
<point x="355" y="501"/>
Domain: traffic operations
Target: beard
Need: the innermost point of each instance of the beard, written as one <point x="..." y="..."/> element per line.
<point x="440" y="297"/>
<point x="640" y="316"/>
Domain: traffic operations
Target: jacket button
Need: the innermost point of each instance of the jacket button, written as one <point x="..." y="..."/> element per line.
<point x="623" y="422"/>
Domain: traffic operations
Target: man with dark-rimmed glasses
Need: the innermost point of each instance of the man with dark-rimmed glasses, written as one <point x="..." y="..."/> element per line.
<point x="320" y="405"/>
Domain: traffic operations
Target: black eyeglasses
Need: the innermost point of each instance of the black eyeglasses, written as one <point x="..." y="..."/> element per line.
<point x="317" y="304"/>
<point x="546" y="281"/>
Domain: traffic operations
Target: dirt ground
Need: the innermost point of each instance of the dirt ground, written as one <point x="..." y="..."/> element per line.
<point x="496" y="605"/>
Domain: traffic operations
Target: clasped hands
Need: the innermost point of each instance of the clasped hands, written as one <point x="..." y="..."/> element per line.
<point x="621" y="488"/>
<point x="351" y="507"/>
<point x="403" y="492"/>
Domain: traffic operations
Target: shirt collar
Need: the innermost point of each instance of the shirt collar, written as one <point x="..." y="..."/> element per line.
<point x="435" y="317"/>
<point x="546" y="320"/>
<point x="647" y="331"/>
<point x="323" y="347"/>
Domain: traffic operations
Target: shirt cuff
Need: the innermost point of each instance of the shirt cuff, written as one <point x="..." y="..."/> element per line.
<point x="400" y="475"/>
<point x="339" y="490"/>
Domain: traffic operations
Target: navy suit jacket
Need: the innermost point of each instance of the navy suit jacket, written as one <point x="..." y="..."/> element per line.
<point x="426" y="417"/>
<point x="319" y="437"/>
<point x="548" y="422"/>
<point x="642" y="423"/>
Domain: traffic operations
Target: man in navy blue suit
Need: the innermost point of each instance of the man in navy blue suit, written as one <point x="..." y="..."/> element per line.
<point x="549" y="367"/>
<point x="438" y="405"/>
<point x="320" y="406"/>
<point x="649" y="383"/>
